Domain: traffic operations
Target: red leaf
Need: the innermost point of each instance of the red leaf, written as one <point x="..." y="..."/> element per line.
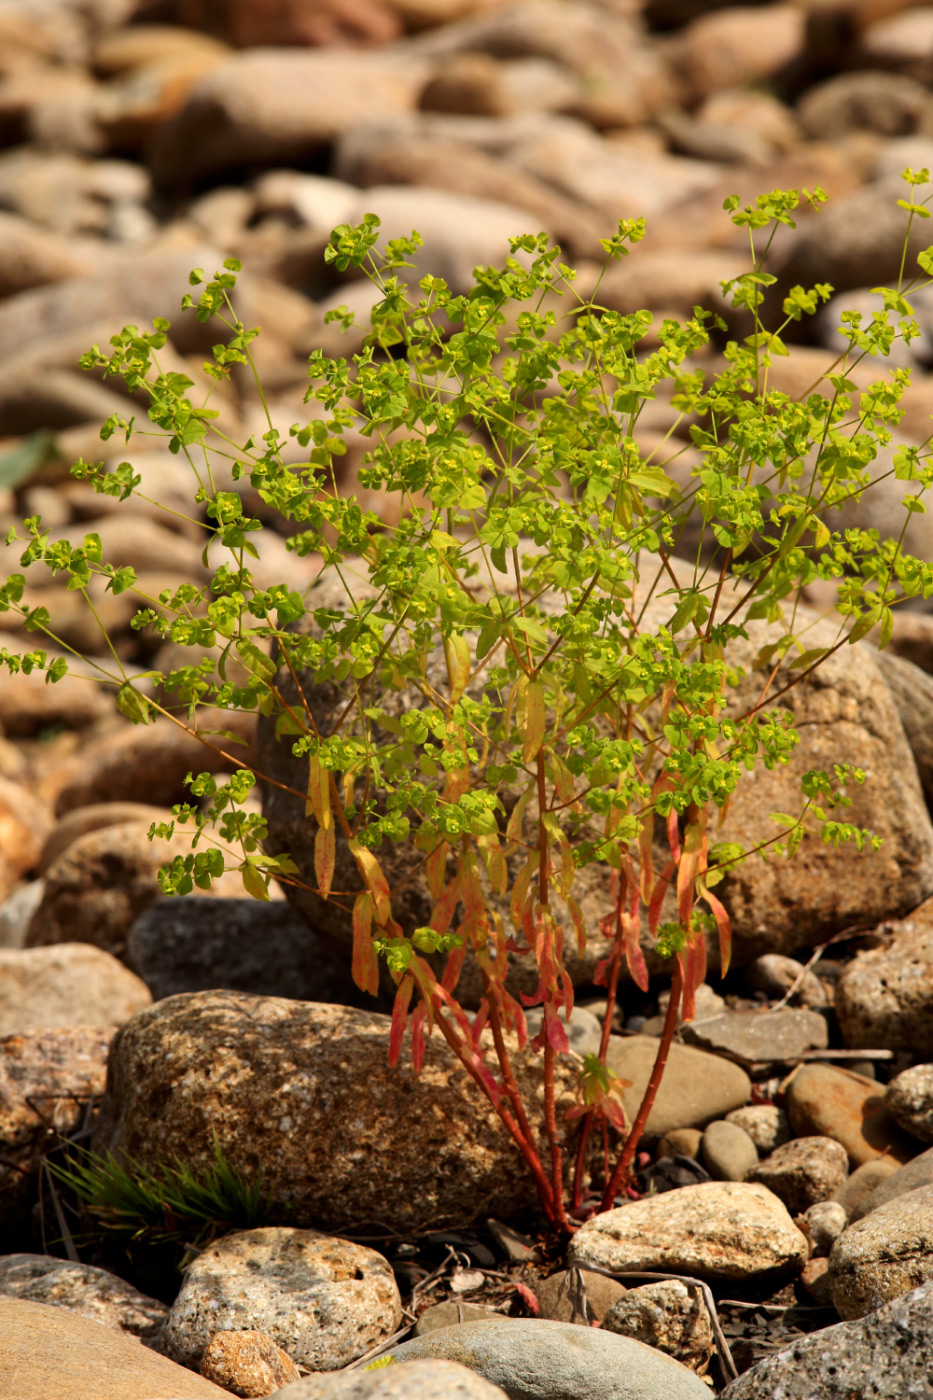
<point x="724" y="927"/>
<point x="528" y="1298"/>
<point x="634" y="957"/>
<point x="365" y="966"/>
<point x="400" y="1017"/>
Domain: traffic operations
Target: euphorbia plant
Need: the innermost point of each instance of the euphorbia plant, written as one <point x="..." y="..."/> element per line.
<point x="581" y="715"/>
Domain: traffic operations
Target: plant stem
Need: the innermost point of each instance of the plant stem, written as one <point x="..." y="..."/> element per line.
<point x="647" y="1103"/>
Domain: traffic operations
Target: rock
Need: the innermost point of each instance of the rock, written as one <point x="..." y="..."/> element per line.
<point x="43" y="1346"/>
<point x="884" y="1255"/>
<point x="66" y="985"/>
<point x="825" y="1101"/>
<point x="884" y="1355"/>
<point x="33" y="257"/>
<point x="696" y="1087"/>
<point x="278" y="1081"/>
<point x="557" y="1361"/>
<point x="103" y="881"/>
<point x="247" y="1363"/>
<point x="194" y="945"/>
<point x="765" y="1123"/>
<point x="729" y="1153"/>
<point x="514" y="1247"/>
<point x="902" y="42"/>
<point x="707" y="1003"/>
<point x="420" y="1380"/>
<point x="324" y="1301"/>
<point x="803" y="1172"/>
<point x="909" y="1100"/>
<point x="814" y="1280"/>
<point x="912" y="639"/>
<point x="274" y="107"/>
<point x="680" y="1142"/>
<point x="245" y="24"/>
<point x="912" y="690"/>
<point x="576" y="1295"/>
<point x="584" y="1031"/>
<point x="716" y="1230"/>
<point x="94" y="1293"/>
<point x="24" y="824"/>
<point x="28" y="705"/>
<point x="825" y="1222"/>
<point x="775" y="974"/>
<point x="94" y="817"/>
<point x="450" y="1314"/>
<point x="917" y="1173"/>
<point x="737" y="47"/>
<point x="16" y="911"/>
<point x="862" y="1182"/>
<point x="669" y="1316"/>
<point x="759" y="1037"/>
<point x="48" y="1079"/>
<point x="890" y="104"/>
<point x="884" y="998"/>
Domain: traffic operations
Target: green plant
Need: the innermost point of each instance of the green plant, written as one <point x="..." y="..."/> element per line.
<point x="583" y="711"/>
<point x="164" y="1204"/>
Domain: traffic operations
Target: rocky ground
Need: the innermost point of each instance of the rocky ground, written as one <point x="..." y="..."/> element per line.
<point x="781" y="1225"/>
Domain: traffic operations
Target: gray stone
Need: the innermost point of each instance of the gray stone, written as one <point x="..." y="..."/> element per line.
<point x="765" y="1123"/>
<point x="70" y="984"/>
<point x="884" y="998"/>
<point x="667" y="1315"/>
<point x="909" y="1100"/>
<point x="918" y="1172"/>
<point x="774" y="974"/>
<point x="716" y="1230"/>
<point x="535" y="1360"/>
<point x="729" y="1153"/>
<point x="194" y="945"/>
<point x="696" y="1087"/>
<point x="453" y="1313"/>
<point x="760" y="1037"/>
<point x="279" y="1082"/>
<point x="863" y="1181"/>
<point x="324" y="1301"/>
<point x="884" y="1255"/>
<point x="16" y="911"/>
<point x="52" y="1352"/>
<point x="803" y="1172"/>
<point x="81" y="1288"/>
<point x="885" y="1355"/>
<point x="417" y="1380"/>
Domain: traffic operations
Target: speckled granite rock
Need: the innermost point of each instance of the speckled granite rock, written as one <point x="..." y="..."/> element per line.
<point x="885" y="1254"/>
<point x="94" y="1293"/>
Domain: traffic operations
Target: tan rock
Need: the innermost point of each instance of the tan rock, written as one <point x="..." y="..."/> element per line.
<point x="50" y="1352"/>
<point x="24" y="824"/>
<point x="883" y="1255"/>
<point x="93" y="817"/>
<point x="804" y="1172"/>
<point x="28" y="704"/>
<point x="738" y="46"/>
<point x="47" y="1080"/>
<point x="279" y="1082"/>
<point x="94" y="1293"/>
<point x="917" y="1172"/>
<point x="247" y="1363"/>
<point x="418" y="1380"/>
<point x="765" y="1123"/>
<point x="449" y="1314"/>
<point x="246" y="24"/>
<point x="32" y="257"/>
<point x="859" y="1186"/>
<point x="717" y="1230"/>
<point x="830" y="1102"/>
<point x="667" y="1315"/>
<point x="576" y="1295"/>
<point x="884" y="998"/>
<point x="70" y="984"/>
<point x="909" y="1100"/>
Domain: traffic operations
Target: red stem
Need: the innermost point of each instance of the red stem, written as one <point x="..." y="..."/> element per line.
<point x="647" y="1103"/>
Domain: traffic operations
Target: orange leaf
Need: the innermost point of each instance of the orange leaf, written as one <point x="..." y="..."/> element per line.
<point x="400" y="1017"/>
<point x="318" y="792"/>
<point x="365" y="963"/>
<point x="531" y="718"/>
<point x="374" y="879"/>
<point x="436" y="869"/>
<point x="458" y="659"/>
<point x="325" y="856"/>
<point x="724" y="927"/>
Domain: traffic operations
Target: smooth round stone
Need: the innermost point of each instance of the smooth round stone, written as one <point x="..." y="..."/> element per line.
<point x="696" y="1088"/>
<point x="539" y="1360"/>
<point x="680" y="1142"/>
<point x="861" y="1183"/>
<point x="825" y="1101"/>
<point x="825" y="1222"/>
<point x="728" y="1152"/>
<point x="765" y="1123"/>
<point x="918" y="1172"/>
<point x="909" y="1100"/>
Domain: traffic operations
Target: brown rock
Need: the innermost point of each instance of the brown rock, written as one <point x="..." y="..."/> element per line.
<point x="814" y="1278"/>
<point x="717" y="1230"/>
<point x="918" y="1172"/>
<point x="24" y="824"/>
<point x="836" y="1103"/>
<point x="912" y="690"/>
<point x="681" y="1142"/>
<point x="33" y="257"/>
<point x="248" y="24"/>
<point x="576" y="1295"/>
<point x="759" y="1037"/>
<point x="862" y="1182"/>
<point x="93" y="817"/>
<point x="765" y="1123"/>
<point x="803" y="1172"/>
<point x="883" y="1255"/>
<point x="48" y="1078"/>
<point x="696" y="1087"/>
<point x="667" y="1315"/>
<point x="884" y="998"/>
<point x="103" y="881"/>
<point x="890" y="104"/>
<point x="70" y="984"/>
<point x="912" y="639"/>
<point x="909" y="1100"/>
<point x="28" y="704"/>
<point x="247" y="1363"/>
<point x="274" y="106"/>
<point x="449" y="1314"/>
<point x="94" y="1293"/>
<point x="154" y="759"/>
<point x="48" y="1352"/>
<point x="738" y="46"/>
<point x="279" y="1082"/>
